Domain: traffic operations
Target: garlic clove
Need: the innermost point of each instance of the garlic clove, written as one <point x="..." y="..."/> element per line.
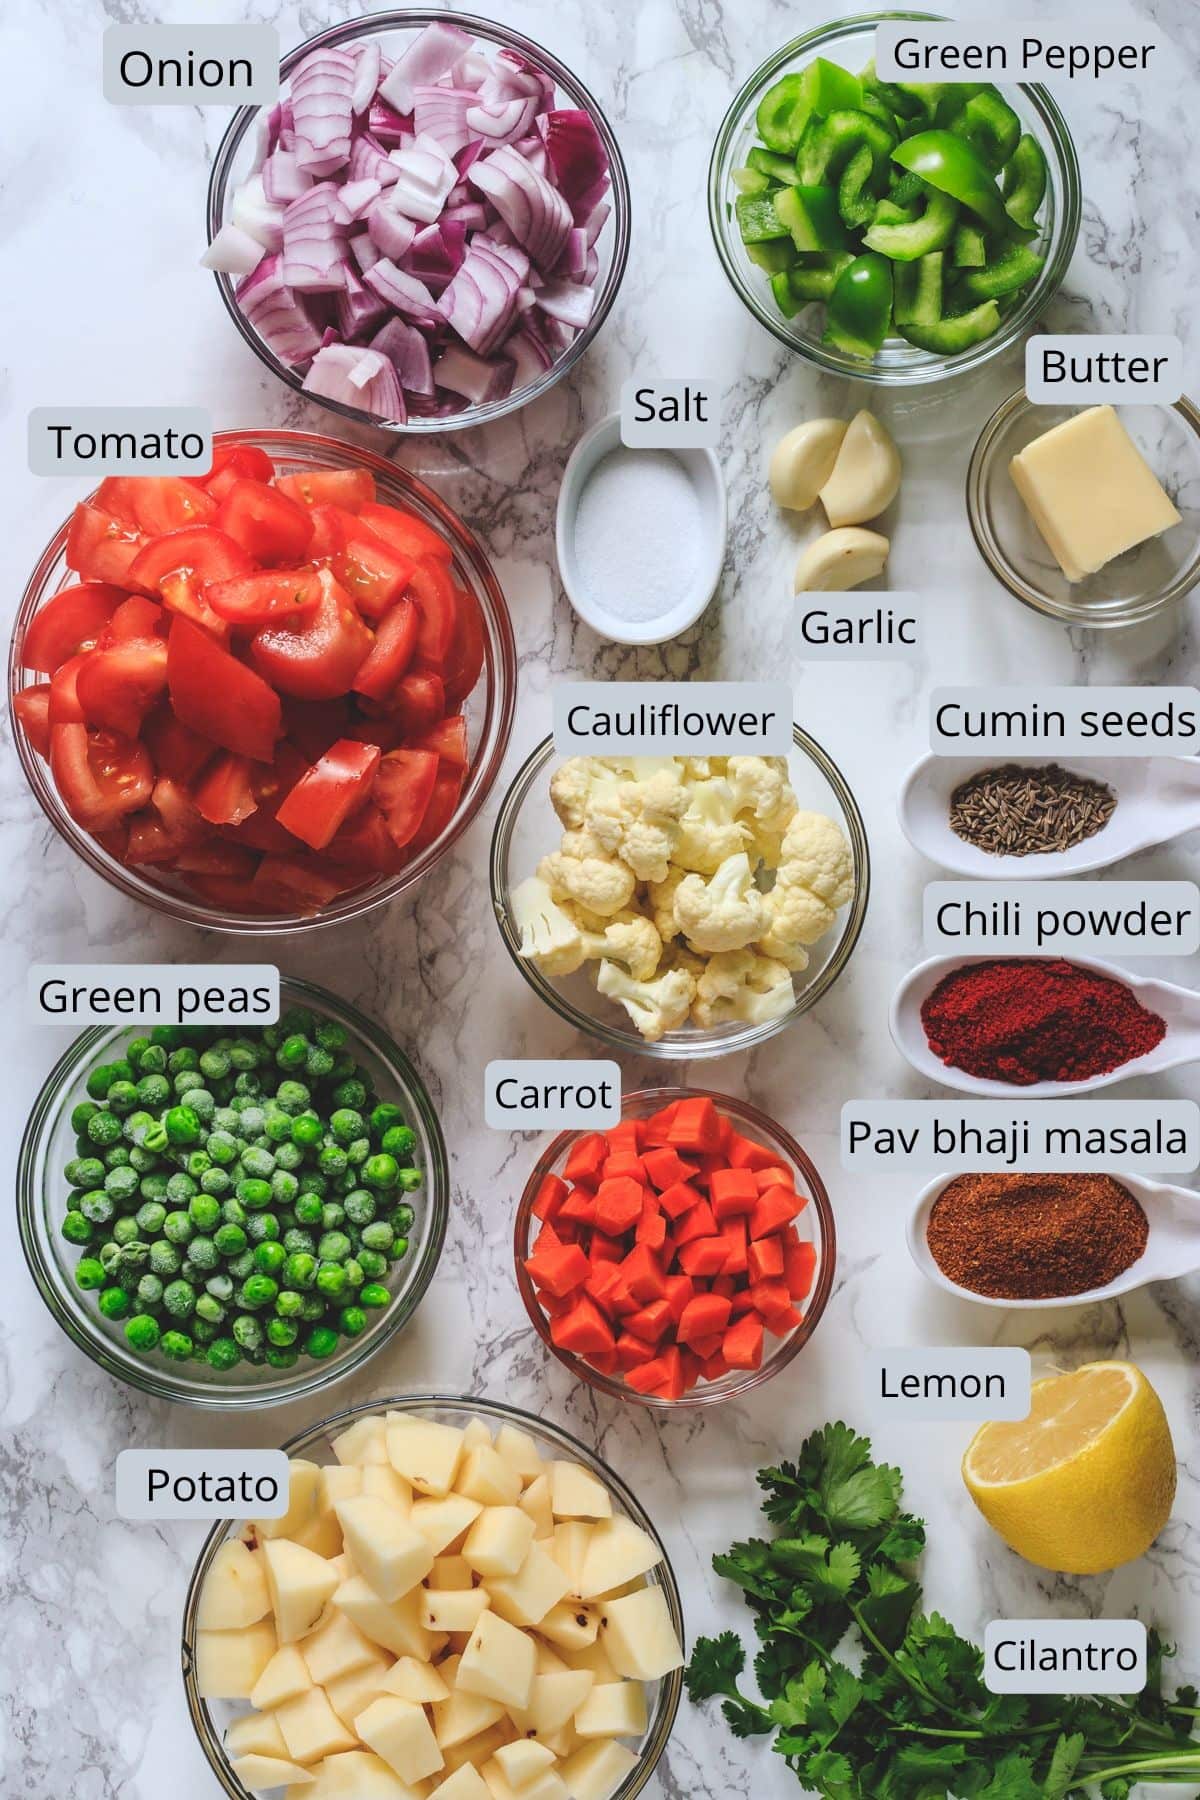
<point x="841" y="559"/>
<point x="803" y="462"/>
<point x="866" y="476"/>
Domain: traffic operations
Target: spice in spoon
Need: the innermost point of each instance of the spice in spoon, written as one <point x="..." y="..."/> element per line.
<point x="1015" y="811"/>
<point x="1035" y="1237"/>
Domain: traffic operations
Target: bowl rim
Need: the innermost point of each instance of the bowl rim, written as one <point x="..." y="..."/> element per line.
<point x="499" y="675"/>
<point x="670" y="1686"/>
<point x="54" y="1096"/>
<point x="746" y="1037"/>
<point x="493" y="32"/>
<point x="1060" y="248"/>
<point x="979" y="471"/>
<point x="753" y="1118"/>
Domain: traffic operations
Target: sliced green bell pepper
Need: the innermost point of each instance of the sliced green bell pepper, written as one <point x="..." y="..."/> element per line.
<point x="970" y="247"/>
<point x="772" y="254"/>
<point x="948" y="337"/>
<point x="815" y="277"/>
<point x="827" y="87"/>
<point x="829" y="143"/>
<point x="887" y="212"/>
<point x="775" y="167"/>
<point x="878" y="108"/>
<point x="948" y="162"/>
<point x="988" y="123"/>
<point x="811" y="215"/>
<point x="1014" y="268"/>
<point x="918" y="298"/>
<point x="758" y="221"/>
<point x="781" y="114"/>
<point x="900" y="104"/>
<point x="933" y="230"/>
<point x="751" y="181"/>
<point x="856" y="198"/>
<point x="860" y="306"/>
<point x="925" y="95"/>
<point x="954" y="98"/>
<point x="1024" y="184"/>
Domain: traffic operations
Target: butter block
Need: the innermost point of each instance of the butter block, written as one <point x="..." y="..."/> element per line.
<point x="1090" y="492"/>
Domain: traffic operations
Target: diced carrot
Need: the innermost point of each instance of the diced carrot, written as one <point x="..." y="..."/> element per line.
<point x="623" y="1162"/>
<point x="782" y="1324"/>
<point x="664" y="1376"/>
<point x="604" y="1249"/>
<point x="775" y="1208"/>
<point x="679" y="1198"/>
<point x="554" y="1309"/>
<point x="773" y="1303"/>
<point x="586" y="1159"/>
<point x="726" y="1285"/>
<point x="652" y="1230"/>
<point x="643" y="1272"/>
<point x="652" y="1322"/>
<point x="627" y="1136"/>
<point x="633" y="1350"/>
<point x="605" y="1361"/>
<point x="680" y="1289"/>
<point x="744" y="1153"/>
<point x="734" y="1233"/>
<point x="709" y="1165"/>
<point x="657" y="1129"/>
<point x="744" y="1343"/>
<point x="706" y="1347"/>
<point x="550" y="1196"/>
<point x="559" y="1271"/>
<point x="584" y="1330"/>
<point x="799" y="1267"/>
<point x="765" y="1259"/>
<point x="727" y="1133"/>
<point x="774" y="1176"/>
<point x="665" y="1167"/>
<point x="548" y="1239"/>
<point x="698" y="1223"/>
<point x="706" y="1256"/>
<point x="741" y="1302"/>
<point x="690" y="1369"/>
<point x="696" y="1126"/>
<point x="733" y="1191"/>
<point x="704" y="1317"/>
<point x="580" y="1205"/>
<point x="646" y="1378"/>
<point x="618" y="1205"/>
<point x="625" y="1302"/>
<point x="602" y="1284"/>
<point x="714" y="1368"/>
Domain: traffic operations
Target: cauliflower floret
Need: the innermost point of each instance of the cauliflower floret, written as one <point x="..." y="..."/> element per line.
<point x="632" y="939"/>
<point x="678" y="956"/>
<point x="582" y="870"/>
<point x="638" y="820"/>
<point x="764" y="800"/>
<point x="572" y="785"/>
<point x="655" y="1007"/>
<point x="723" y="913"/>
<point x="794" y="918"/>
<point x="740" y="985"/>
<point x="710" y="830"/>
<point x="662" y="903"/>
<point x="703" y="768"/>
<point x="817" y="856"/>
<point x="550" y="936"/>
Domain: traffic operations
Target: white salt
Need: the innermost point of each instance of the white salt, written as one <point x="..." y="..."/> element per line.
<point x="638" y="533"/>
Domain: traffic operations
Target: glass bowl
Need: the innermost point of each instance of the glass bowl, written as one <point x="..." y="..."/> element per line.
<point x="211" y="1719"/>
<point x="234" y="161"/>
<point x="527" y="829"/>
<point x="815" y="1223"/>
<point x="1133" y="588"/>
<point x="49" y="1142"/>
<point x="851" y="42"/>
<point x="489" y="709"/>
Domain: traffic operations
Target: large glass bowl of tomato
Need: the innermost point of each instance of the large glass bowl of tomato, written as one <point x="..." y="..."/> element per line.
<point x="268" y="698"/>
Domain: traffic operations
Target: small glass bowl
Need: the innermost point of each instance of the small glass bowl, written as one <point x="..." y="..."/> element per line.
<point x="211" y="1718"/>
<point x="1143" y="582"/>
<point x="816" y="1222"/>
<point x="528" y="829"/>
<point x="851" y="42"/>
<point x="234" y="161"/>
<point x="489" y="709"/>
<point x="49" y="1142"/>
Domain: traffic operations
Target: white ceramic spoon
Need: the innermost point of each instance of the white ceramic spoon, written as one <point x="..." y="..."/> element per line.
<point x="1172" y="1248"/>
<point x="1158" y="798"/>
<point x="1179" y="1006"/>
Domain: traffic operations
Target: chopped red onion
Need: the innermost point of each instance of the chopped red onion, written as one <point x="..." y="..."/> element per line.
<point x="283" y="179"/>
<point x="566" y="301"/>
<point x="322" y="90"/>
<point x="276" y="313"/>
<point x="233" y="251"/>
<point x="432" y="53"/>
<point x="387" y="125"/>
<point x="535" y="213"/>
<point x="408" y="349"/>
<point x="472" y="376"/>
<point x="389" y="230"/>
<point x="369" y="161"/>
<point x="358" y="310"/>
<point x="367" y="66"/>
<point x="410" y="297"/>
<point x="427" y="175"/>
<point x="357" y="377"/>
<point x="441" y="113"/>
<point x="257" y="216"/>
<point x="358" y="197"/>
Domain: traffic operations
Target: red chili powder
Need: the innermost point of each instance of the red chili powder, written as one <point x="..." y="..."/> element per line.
<point x="1024" y="1019"/>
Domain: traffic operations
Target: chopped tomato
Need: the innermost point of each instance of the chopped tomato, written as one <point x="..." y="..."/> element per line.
<point x="234" y="462"/>
<point x="364" y="842"/>
<point x="136" y="617"/>
<point x="100" y="775"/>
<point x="219" y="696"/>
<point x="464" y="664"/>
<point x="216" y="859"/>
<point x="391" y="653"/>
<point x="273" y="785"/>
<point x="264" y="597"/>
<point x="312" y="725"/>
<point x="443" y="804"/>
<point x="155" y="503"/>
<point x="330" y="530"/>
<point x="324" y="798"/>
<point x="199" y="550"/>
<point x="181" y="595"/>
<point x="31" y="708"/>
<point x="101" y="547"/>
<point x="419" y="702"/>
<point x="118" y="686"/>
<point x="388" y="733"/>
<point x="71" y="620"/>
<point x="300" y="883"/>
<point x="175" y="808"/>
<point x="177" y="751"/>
<point x="448" y="740"/>
<point x="232" y="893"/>
<point x="403" y="789"/>
<point x="148" y="842"/>
<point x="273" y="528"/>
<point x="405" y="532"/>
<point x="260" y="832"/>
<point x="351" y="488"/>
<point x="372" y="573"/>
<point x="225" y="796"/>
<point x="319" y="660"/>
<point x="64" y="699"/>
<point x="435" y="595"/>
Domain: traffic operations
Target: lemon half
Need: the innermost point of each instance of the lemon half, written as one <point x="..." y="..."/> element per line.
<point x="1087" y="1481"/>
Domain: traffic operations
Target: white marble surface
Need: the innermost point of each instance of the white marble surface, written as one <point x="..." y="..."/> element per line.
<point x="100" y="216"/>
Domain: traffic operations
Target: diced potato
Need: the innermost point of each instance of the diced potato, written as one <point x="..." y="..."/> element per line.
<point x="311" y="1729"/>
<point x="300" y="1584"/>
<point x="524" y="1760"/>
<point x="255" y="1734"/>
<point x="576" y="1494"/>
<point x="536" y="1502"/>
<point x="563" y="1742"/>
<point x="526" y="1597"/>
<point x="383" y="1483"/>
<point x="338" y="1482"/>
<point x="486" y="1477"/>
<point x="270" y="1772"/>
<point x="465" y="1784"/>
<point x="499" y="1663"/>
<point x="417" y="1681"/>
<point x="570" y="1548"/>
<point x="235" y="1589"/>
<point x="520" y="1451"/>
<point x="475" y="1435"/>
<point x="462" y="1716"/>
<point x="499" y="1786"/>
<point x="399" y="1732"/>
<point x="303" y="1484"/>
<point x="285" y="1676"/>
<point x="364" y="1443"/>
<point x="479" y="1749"/>
<point x="396" y="1627"/>
<point x="322" y="1535"/>
<point x="450" y="1573"/>
<point x="359" y="1775"/>
<point x="618" y="1552"/>
<point x="337" y="1648"/>
<point x="499" y="1540"/>
<point x="594" y="1657"/>
<point x="351" y="1694"/>
<point x="639" y="1637"/>
<point x="388" y="1549"/>
<point x="613" y="1709"/>
<point x="454" y="1609"/>
<point x="556" y="1698"/>
<point x="547" y="1786"/>
<point x="548" y="1659"/>
<point x="229" y="1663"/>
<point x="425" y="1453"/>
<point x="572" y="1625"/>
<point x="443" y="1522"/>
<point x="597" y="1771"/>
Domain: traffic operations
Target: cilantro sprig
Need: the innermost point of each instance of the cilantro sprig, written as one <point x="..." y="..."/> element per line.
<point x="870" y="1698"/>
